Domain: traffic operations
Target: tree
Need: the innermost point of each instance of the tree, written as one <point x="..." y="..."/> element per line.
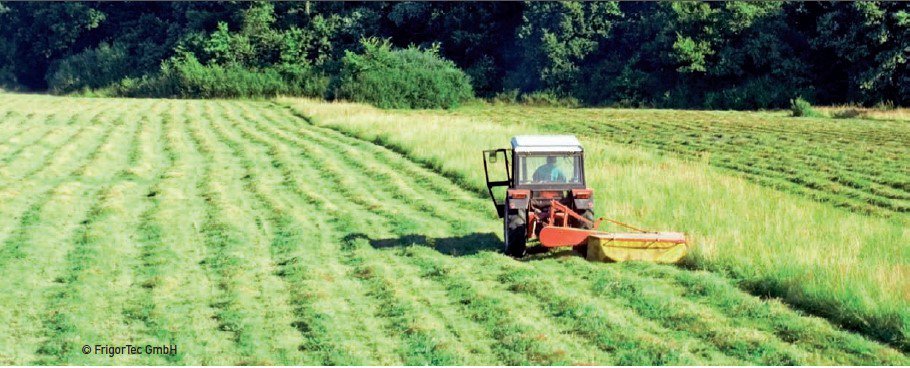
<point x="871" y="47"/>
<point x="555" y="39"/>
<point x="42" y="32"/>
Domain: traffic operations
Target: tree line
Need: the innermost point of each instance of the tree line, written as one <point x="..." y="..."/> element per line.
<point x="722" y="55"/>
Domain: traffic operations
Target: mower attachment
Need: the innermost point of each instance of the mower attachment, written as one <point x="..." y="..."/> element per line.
<point x="660" y="247"/>
<point x="651" y="247"/>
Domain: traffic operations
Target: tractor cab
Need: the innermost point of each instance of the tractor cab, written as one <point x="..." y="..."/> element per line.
<point x="524" y="181"/>
<point x="547" y="162"/>
<point x="546" y="166"/>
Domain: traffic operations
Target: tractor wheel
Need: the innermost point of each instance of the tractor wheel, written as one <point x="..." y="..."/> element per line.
<point x="516" y="227"/>
<point x="589" y="215"/>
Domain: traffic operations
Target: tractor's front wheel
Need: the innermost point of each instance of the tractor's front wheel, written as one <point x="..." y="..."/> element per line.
<point x="516" y="232"/>
<point x="588" y="215"/>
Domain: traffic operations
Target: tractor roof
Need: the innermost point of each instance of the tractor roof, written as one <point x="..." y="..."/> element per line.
<point x="546" y="143"/>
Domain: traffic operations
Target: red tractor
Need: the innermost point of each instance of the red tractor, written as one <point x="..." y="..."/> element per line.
<point x="541" y="194"/>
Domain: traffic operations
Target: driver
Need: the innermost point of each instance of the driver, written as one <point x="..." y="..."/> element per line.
<point x="549" y="172"/>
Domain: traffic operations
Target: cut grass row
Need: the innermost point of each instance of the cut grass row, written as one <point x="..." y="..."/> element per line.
<point x="844" y="266"/>
<point x="244" y="234"/>
<point x="350" y="226"/>
<point x="57" y="214"/>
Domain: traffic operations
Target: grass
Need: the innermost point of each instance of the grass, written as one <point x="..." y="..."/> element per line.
<point x="870" y="113"/>
<point x="245" y="234"/>
<point x="858" y="164"/>
<point x="845" y="266"/>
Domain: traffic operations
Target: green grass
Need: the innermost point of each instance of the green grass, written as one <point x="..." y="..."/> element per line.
<point x="245" y="234"/>
<point x="848" y="267"/>
<point x="862" y="165"/>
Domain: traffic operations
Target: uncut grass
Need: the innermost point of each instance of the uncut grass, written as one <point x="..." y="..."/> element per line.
<point x="859" y="164"/>
<point x="859" y="112"/>
<point x="844" y="266"/>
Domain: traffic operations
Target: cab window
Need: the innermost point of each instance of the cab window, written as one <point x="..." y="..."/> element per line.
<point x="559" y="168"/>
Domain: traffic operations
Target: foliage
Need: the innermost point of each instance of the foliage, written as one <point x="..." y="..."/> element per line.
<point x="405" y="78"/>
<point x="802" y="108"/>
<point x="870" y="41"/>
<point x="851" y="113"/>
<point x="302" y="80"/>
<point x="478" y="36"/>
<point x="538" y="98"/>
<point x="715" y="55"/>
<point x="93" y="68"/>
<point x="38" y="34"/>
<point x="185" y="77"/>
<point x="556" y="38"/>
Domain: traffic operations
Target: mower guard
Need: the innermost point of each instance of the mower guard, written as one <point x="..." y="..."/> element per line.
<point x="659" y="247"/>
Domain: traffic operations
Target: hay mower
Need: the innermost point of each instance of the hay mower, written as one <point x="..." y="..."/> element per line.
<point x="545" y="197"/>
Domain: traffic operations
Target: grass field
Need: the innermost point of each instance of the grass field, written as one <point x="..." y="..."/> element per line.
<point x="848" y="267"/>
<point x="863" y="165"/>
<point x="245" y="234"/>
<point x="873" y="113"/>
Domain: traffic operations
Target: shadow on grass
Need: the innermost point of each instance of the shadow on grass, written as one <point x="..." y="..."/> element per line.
<point x="463" y="245"/>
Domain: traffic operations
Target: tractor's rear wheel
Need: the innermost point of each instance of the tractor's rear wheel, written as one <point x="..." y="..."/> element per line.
<point x="516" y="227"/>
<point x="588" y="215"/>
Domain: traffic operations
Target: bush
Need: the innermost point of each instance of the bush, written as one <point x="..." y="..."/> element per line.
<point x="537" y="98"/>
<point x="884" y="105"/>
<point x="802" y="108"/>
<point x="303" y="81"/>
<point x="547" y="98"/>
<point x="407" y="78"/>
<point x="93" y="68"/>
<point x="7" y="78"/>
<point x="185" y="77"/>
<point x="752" y="94"/>
<point x="505" y="97"/>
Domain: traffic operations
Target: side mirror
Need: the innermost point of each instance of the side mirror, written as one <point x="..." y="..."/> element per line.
<point x="492" y="157"/>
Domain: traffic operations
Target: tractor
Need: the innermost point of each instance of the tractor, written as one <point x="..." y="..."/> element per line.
<point x="541" y="194"/>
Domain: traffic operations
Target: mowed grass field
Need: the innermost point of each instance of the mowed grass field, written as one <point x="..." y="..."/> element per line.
<point x="257" y="233"/>
<point x="821" y="257"/>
